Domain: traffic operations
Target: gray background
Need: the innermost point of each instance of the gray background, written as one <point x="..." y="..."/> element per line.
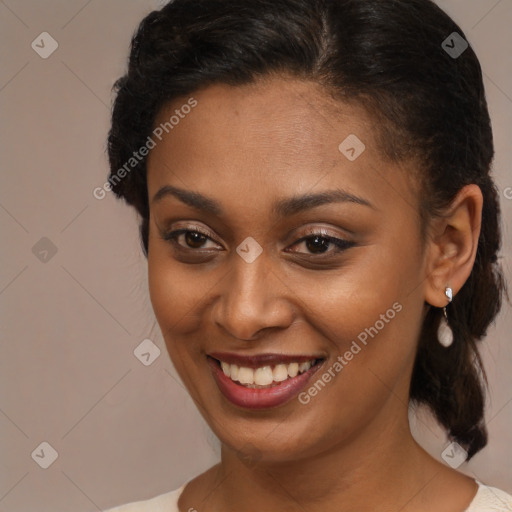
<point x="71" y="319"/>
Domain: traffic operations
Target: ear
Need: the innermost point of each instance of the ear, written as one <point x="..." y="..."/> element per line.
<point x="452" y="245"/>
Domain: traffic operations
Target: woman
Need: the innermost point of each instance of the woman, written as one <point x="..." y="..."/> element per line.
<point x="322" y="231"/>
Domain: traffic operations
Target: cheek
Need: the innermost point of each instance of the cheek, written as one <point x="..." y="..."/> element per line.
<point x="366" y="298"/>
<point x="181" y="296"/>
<point x="177" y="291"/>
<point x="375" y="328"/>
<point x="370" y="313"/>
<point x="176" y="296"/>
<point x="172" y="294"/>
<point x="372" y="345"/>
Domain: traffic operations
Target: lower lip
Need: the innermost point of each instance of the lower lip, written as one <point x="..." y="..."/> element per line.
<point x="260" y="398"/>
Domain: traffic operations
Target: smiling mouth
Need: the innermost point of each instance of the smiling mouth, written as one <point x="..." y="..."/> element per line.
<point x="266" y="375"/>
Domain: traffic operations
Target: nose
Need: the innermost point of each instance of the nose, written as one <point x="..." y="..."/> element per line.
<point x="253" y="300"/>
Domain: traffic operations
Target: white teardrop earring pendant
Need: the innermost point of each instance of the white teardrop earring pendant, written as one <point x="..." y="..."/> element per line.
<point x="444" y="331"/>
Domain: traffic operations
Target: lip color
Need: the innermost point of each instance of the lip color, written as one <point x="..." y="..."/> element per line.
<point x="262" y="398"/>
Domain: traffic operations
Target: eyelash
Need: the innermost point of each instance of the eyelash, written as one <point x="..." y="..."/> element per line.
<point x="340" y="244"/>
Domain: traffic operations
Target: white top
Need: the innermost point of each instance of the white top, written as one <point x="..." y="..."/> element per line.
<point x="487" y="499"/>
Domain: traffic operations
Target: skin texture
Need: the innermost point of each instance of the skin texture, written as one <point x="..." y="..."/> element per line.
<point x="350" y="447"/>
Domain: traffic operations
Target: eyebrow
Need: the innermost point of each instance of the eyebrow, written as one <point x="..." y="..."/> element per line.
<point x="282" y="208"/>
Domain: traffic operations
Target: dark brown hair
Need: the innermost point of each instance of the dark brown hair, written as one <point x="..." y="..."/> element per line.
<point x="386" y="55"/>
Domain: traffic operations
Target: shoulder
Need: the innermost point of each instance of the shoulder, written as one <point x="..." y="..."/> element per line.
<point x="167" y="502"/>
<point x="490" y="499"/>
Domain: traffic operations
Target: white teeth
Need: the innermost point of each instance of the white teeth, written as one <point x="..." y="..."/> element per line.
<point x="265" y="375"/>
<point x="280" y="372"/>
<point x="245" y="375"/>
<point x="304" y="367"/>
<point x="293" y="369"/>
<point x="226" y="368"/>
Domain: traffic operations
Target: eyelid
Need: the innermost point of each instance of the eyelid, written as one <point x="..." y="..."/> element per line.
<point x="318" y="231"/>
<point x="311" y="231"/>
<point x="199" y="229"/>
<point x="191" y="227"/>
<point x="339" y="241"/>
<point x="171" y="235"/>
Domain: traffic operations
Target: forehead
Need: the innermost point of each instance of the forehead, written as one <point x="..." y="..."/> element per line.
<point x="276" y="135"/>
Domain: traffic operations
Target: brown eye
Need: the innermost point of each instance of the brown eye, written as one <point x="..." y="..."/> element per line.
<point x="318" y="244"/>
<point x="321" y="243"/>
<point x="194" y="239"/>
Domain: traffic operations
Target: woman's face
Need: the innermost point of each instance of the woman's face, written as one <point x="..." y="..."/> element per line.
<point x="308" y="250"/>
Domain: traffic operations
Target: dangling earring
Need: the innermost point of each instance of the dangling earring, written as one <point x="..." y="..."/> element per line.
<point x="444" y="331"/>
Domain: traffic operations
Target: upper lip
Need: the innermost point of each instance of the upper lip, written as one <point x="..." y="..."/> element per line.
<point x="259" y="360"/>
